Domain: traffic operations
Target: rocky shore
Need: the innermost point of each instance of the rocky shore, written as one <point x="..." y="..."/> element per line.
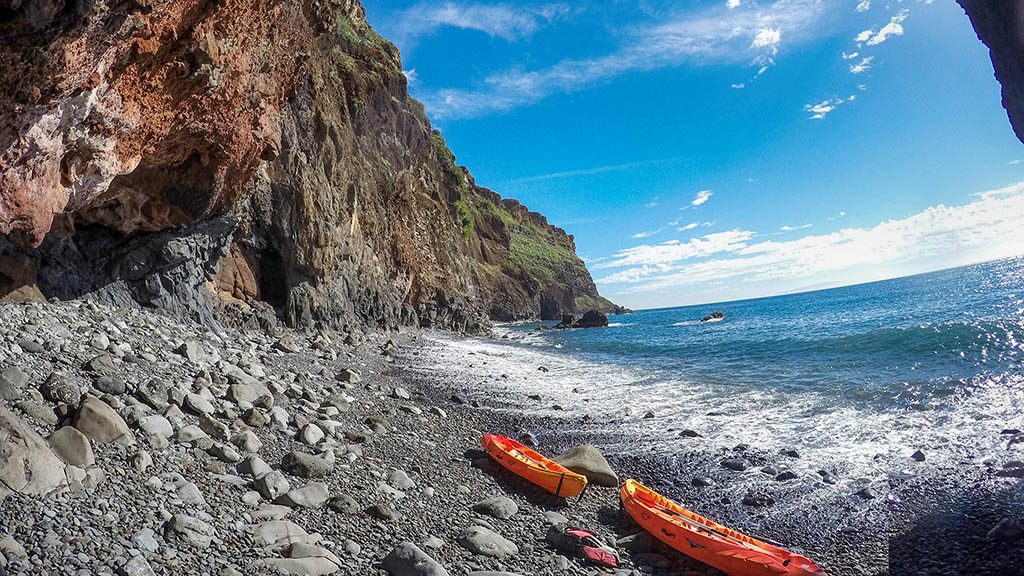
<point x="131" y="444"/>
<point x="136" y="445"/>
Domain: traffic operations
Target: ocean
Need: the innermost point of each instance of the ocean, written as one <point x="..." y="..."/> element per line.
<point x="850" y="377"/>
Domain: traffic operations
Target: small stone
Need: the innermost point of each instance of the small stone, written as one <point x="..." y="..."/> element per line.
<point x="136" y="566"/>
<point x="689" y="434"/>
<point x="191" y="350"/>
<point x="156" y="425"/>
<point x="917" y="456"/>
<point x="344" y="504"/>
<point x="97" y="420"/>
<point x="110" y="385"/>
<point x="588" y="460"/>
<point x="59" y="388"/>
<point x="272" y="485"/>
<point x="306" y="465"/>
<point x="253" y="466"/>
<point x="400" y="393"/>
<point x="197" y="404"/>
<point x="408" y="560"/>
<point x="247" y="441"/>
<point x="72" y="447"/>
<point x="312" y="495"/>
<point x="497" y="506"/>
<point x="141" y="461"/>
<point x="12" y="383"/>
<point x="399" y="480"/>
<point x="348" y="376"/>
<point x="786" y="475"/>
<point x="145" y="540"/>
<point x="701" y="482"/>
<point x="287" y="344"/>
<point x="102" y="365"/>
<point x="191" y="531"/>
<point x="480" y="540"/>
<point x="383" y="512"/>
<point x="312" y="434"/>
<point x="790" y="453"/>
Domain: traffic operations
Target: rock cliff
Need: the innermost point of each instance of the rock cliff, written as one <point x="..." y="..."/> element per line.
<point x="250" y="161"/>
<point x="1000" y="25"/>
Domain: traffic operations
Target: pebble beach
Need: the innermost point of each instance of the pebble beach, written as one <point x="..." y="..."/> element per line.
<point x="137" y="445"/>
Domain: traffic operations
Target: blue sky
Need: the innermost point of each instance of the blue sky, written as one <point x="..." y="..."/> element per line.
<point x="705" y="151"/>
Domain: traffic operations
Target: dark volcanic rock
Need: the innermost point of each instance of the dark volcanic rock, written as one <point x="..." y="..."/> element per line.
<point x="999" y="25"/>
<point x="592" y="319"/>
<point x="200" y="168"/>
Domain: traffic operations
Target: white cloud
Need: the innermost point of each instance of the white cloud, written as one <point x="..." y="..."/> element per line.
<point x="410" y="76"/>
<point x="647" y="234"/>
<point x="850" y="56"/>
<point x="508" y="22"/>
<point x="738" y="86"/>
<point x="792" y="228"/>
<point x="940" y="236"/>
<point x="666" y="254"/>
<point x="864" y="36"/>
<point x="864" y="6"/>
<point x="893" y="28"/>
<point x="838" y="216"/>
<point x="702" y="197"/>
<point x="689" y="226"/>
<point x="750" y="34"/>
<point x="1015" y="162"/>
<point x="863" y="66"/>
<point x="732" y="4"/>
<point x="821" y="109"/>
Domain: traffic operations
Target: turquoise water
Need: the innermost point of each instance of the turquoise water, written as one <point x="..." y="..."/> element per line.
<point x="846" y="375"/>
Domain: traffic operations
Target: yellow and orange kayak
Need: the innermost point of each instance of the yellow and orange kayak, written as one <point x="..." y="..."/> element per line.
<point x="716" y="545"/>
<point x="532" y="466"/>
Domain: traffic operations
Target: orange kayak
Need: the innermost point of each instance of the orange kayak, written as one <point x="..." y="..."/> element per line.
<point x="716" y="545"/>
<point x="532" y="466"/>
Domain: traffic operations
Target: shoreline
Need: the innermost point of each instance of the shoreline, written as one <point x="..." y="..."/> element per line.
<point x="402" y="467"/>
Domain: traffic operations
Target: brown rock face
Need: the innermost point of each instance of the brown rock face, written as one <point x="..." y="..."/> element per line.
<point x="129" y="129"/>
<point x="1000" y="25"/>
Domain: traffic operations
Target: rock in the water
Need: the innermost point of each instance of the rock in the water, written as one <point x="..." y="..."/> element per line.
<point x="592" y="319"/>
<point x="72" y="447"/>
<point x="27" y="465"/>
<point x="736" y="464"/>
<point x="408" y="560"/>
<point x="786" y="475"/>
<point x="587" y="460"/>
<point x="757" y="498"/>
<point x="498" y="506"/>
<point x="480" y="540"/>
<point x="917" y="456"/>
<point x="189" y="530"/>
<point x="1007" y="530"/>
<point x="97" y="420"/>
<point x="701" y="482"/>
